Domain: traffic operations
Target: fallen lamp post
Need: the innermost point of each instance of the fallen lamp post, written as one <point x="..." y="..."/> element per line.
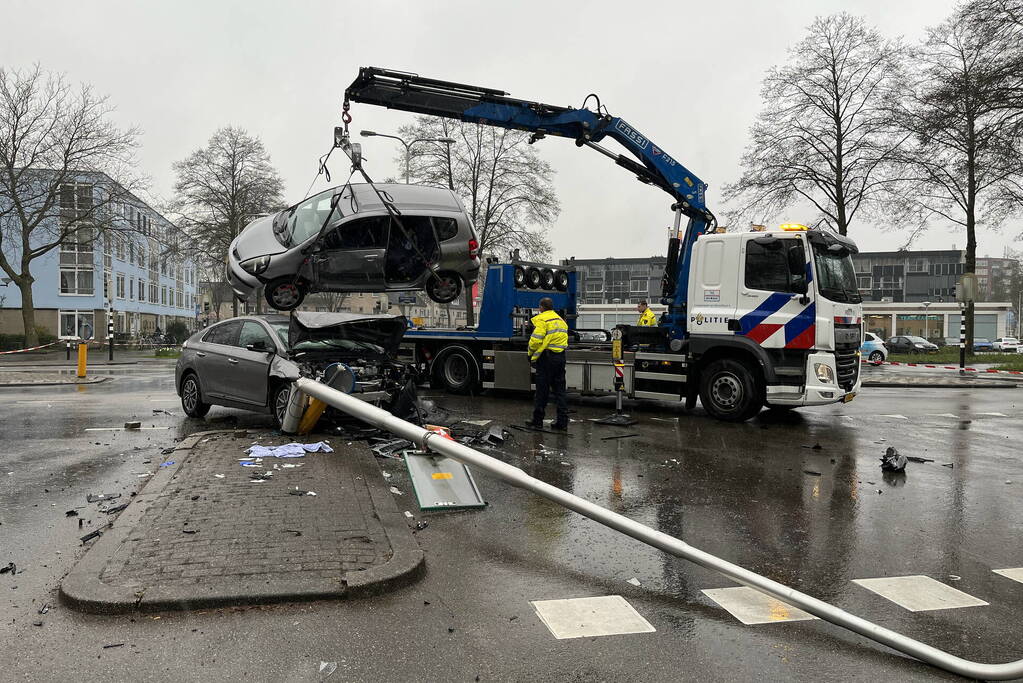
<point x="431" y="441"/>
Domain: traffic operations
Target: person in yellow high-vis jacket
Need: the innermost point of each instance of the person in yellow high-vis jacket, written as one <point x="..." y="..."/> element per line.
<point x="547" y="346"/>
<point x="647" y="318"/>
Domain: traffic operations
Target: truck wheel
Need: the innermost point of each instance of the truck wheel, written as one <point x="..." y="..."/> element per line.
<point x="443" y="288"/>
<point x="731" y="391"/>
<point x="520" y="276"/>
<point x="561" y="281"/>
<point x="457" y="372"/>
<point x="533" y="278"/>
<point x="284" y="294"/>
<point x="547" y="280"/>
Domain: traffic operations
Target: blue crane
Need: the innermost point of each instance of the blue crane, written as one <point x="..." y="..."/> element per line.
<point x="414" y="93"/>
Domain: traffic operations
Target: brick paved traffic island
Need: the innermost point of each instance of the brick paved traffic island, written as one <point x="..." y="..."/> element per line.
<point x="206" y="531"/>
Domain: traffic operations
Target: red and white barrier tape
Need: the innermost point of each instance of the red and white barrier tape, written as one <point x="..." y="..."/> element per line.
<point x="31" y="348"/>
<point x="941" y="367"/>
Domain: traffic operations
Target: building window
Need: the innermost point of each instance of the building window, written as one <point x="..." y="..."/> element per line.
<point x="163" y="295"/>
<point x="118" y="247"/>
<point x="75" y="202"/>
<point x="76" y="325"/>
<point x="638" y="286"/>
<point x="119" y="289"/>
<point x="594" y="287"/>
<point x="179" y="297"/>
<point x="154" y="293"/>
<point x="77" y="266"/>
<point x="131" y="289"/>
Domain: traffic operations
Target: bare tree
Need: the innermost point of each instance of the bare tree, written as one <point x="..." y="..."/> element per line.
<point x="965" y="162"/>
<point x="824" y="134"/>
<point x="506" y="186"/>
<point x="65" y="169"/>
<point x="220" y="189"/>
<point x="334" y="301"/>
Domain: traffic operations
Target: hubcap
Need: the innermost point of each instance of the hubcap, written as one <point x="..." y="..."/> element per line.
<point x="285" y="295"/>
<point x="445" y="287"/>
<point x="876" y="356"/>
<point x="191" y="394"/>
<point x="456" y="370"/>
<point x="281" y="407"/>
<point x="726" y="390"/>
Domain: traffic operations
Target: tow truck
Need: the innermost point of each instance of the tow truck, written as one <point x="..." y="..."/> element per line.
<point x="753" y="318"/>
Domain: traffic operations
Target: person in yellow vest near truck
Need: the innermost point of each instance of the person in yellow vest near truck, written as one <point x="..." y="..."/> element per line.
<point x="647" y="318"/>
<point x="547" y="346"/>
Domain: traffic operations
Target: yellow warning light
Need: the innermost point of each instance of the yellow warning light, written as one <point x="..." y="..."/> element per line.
<point x="793" y="227"/>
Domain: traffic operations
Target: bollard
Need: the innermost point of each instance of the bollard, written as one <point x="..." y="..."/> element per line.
<point x="83" y="351"/>
<point x="67" y="348"/>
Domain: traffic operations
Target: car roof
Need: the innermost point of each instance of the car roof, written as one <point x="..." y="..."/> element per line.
<point x="405" y="197"/>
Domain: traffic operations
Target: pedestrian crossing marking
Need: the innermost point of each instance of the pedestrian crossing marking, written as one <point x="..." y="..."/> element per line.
<point x="608" y="615"/>
<point x="1015" y="574"/>
<point x="919" y="593"/>
<point x="753" y="607"/>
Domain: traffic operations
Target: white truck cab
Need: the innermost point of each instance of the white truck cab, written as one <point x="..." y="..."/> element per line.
<point x="774" y="318"/>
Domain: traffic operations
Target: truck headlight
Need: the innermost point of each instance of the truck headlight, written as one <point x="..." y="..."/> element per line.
<point x="255" y="266"/>
<point x="825" y="375"/>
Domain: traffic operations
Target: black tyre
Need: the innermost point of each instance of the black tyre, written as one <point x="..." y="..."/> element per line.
<point x="533" y="278"/>
<point x="284" y="294"/>
<point x="547" y="279"/>
<point x="444" y="287"/>
<point x="279" y="397"/>
<point x="875" y="357"/>
<point x="731" y="390"/>
<point x="561" y="280"/>
<point x="457" y="372"/>
<point x="191" y="397"/>
<point x="520" y="276"/>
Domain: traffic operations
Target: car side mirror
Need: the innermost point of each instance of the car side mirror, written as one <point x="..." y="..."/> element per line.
<point x="799" y="286"/>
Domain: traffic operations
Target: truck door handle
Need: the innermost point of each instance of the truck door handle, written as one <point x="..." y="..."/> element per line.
<point x="232" y="360"/>
<point x="200" y="354"/>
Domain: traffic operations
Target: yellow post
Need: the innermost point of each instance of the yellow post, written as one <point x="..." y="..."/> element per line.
<point x="83" y="351"/>
<point x="311" y="416"/>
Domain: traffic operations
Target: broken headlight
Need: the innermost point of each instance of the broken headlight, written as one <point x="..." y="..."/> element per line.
<point x="255" y="266"/>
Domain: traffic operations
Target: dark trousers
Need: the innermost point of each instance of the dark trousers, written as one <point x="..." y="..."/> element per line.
<point x="550" y="378"/>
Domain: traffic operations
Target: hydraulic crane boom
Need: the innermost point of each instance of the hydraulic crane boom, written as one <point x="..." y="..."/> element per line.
<point x="413" y="93"/>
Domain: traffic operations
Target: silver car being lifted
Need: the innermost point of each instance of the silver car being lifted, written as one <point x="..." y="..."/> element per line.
<point x="346" y="240"/>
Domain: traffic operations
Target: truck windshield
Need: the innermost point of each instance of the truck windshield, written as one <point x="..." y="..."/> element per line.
<point x="836" y="278"/>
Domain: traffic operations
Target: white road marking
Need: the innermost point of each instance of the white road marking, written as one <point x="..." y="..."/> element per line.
<point x="608" y="615"/>
<point x="919" y="593"/>
<point x="753" y="607"/>
<point x="994" y="414"/>
<point x="119" y="429"/>
<point x="949" y="415"/>
<point x="897" y="417"/>
<point x="1014" y="574"/>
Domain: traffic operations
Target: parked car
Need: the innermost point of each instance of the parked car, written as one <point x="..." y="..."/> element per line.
<point x="346" y="240"/>
<point x="980" y="344"/>
<point x="248" y="362"/>
<point x="873" y="348"/>
<point x="1006" y="344"/>
<point x="907" y="344"/>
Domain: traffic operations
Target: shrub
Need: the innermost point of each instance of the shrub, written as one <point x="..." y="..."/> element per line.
<point x="177" y="332"/>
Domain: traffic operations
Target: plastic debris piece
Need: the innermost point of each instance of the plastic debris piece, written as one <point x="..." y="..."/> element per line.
<point x="812" y="473"/>
<point x="634" y="581"/>
<point x="71" y="513"/>
<point x="107" y="647"/>
<point x="421" y="525"/>
<point x="565" y="464"/>
<point x="892" y="461"/>
<point x="95" y="497"/>
<point x="167" y="464"/>
<point x="116" y="508"/>
<point x="249" y="463"/>
<point x="91" y="535"/>
<point x="219" y="476"/>
<point x="133" y="425"/>
<point x="953" y="577"/>
<point x="408" y="514"/>
<point x="299" y="492"/>
<point x="189" y="531"/>
<point x="395" y="491"/>
<point x="914" y="458"/>
<point x="45" y="608"/>
<point x="293" y="531"/>
<point x="11" y="567"/>
<point x="327" y="668"/>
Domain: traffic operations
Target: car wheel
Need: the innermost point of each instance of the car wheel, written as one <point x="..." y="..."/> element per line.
<point x="876" y="357"/>
<point x="547" y="280"/>
<point x="191" y="397"/>
<point x="533" y="278"/>
<point x="731" y="391"/>
<point x="457" y="372"/>
<point x="561" y="281"/>
<point x="520" y="276"/>
<point x="443" y="288"/>
<point x="279" y="398"/>
<point x="284" y="294"/>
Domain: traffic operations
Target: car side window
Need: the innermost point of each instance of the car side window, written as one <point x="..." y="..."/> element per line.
<point x="363" y="233"/>
<point x="254" y="333"/>
<point x="446" y="228"/>
<point x="225" y="334"/>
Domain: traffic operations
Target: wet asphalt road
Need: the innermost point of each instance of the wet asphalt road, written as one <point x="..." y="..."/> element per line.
<point x="744" y="492"/>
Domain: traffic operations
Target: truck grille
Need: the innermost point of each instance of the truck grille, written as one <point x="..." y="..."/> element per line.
<point x="847" y="360"/>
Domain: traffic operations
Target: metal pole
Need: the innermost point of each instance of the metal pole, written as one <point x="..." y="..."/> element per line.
<point x="516" y="477"/>
<point x="962" y="339"/>
<point x="110" y="331"/>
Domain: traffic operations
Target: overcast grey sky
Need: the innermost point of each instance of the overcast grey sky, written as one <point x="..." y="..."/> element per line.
<point x="685" y="74"/>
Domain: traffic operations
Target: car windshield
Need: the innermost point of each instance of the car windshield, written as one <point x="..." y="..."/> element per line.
<point x="917" y="340"/>
<point x="836" y="278"/>
<point x="325" y="344"/>
<point x="302" y="221"/>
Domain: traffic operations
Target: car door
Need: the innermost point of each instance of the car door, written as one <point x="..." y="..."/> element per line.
<point x="351" y="257"/>
<point x="775" y="308"/>
<point x="214" y="370"/>
<point x="250" y="369"/>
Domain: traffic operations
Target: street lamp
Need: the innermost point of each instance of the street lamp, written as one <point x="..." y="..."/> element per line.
<point x="927" y="320"/>
<point x="408" y="148"/>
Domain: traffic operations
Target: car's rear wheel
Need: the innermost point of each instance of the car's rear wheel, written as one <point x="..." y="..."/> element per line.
<point x="457" y="372"/>
<point x="284" y="294"/>
<point x="875" y="357"/>
<point x="280" y="395"/>
<point x="191" y="397"/>
<point x="444" y="287"/>
<point x="731" y="391"/>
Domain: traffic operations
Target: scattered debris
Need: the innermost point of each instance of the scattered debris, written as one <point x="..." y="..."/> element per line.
<point x="892" y="461"/>
<point x="116" y="508"/>
<point x="634" y="581"/>
<point x="133" y="425"/>
<point x="11" y="567"/>
<point x="299" y="492"/>
<point x="916" y="458"/>
<point x="395" y="491"/>
<point x="161" y="411"/>
<point x="261" y="476"/>
<point x="565" y="464"/>
<point x="812" y="473"/>
<point x="293" y="531"/>
<point x="290" y="450"/>
<point x="94" y="497"/>
<point x="421" y="525"/>
<point x="619" y="436"/>
<point x="815" y="447"/>
<point x="495" y="435"/>
<point x="950" y="465"/>
<point x="953" y="577"/>
<point x="408" y="514"/>
<point x="91" y="535"/>
<point x="327" y="668"/>
<point x="167" y="464"/>
<point x="219" y="476"/>
<point x="167" y="451"/>
<point x="71" y="513"/>
<point x="390" y="448"/>
<point x="45" y="608"/>
<point x="189" y="531"/>
<point x="107" y="647"/>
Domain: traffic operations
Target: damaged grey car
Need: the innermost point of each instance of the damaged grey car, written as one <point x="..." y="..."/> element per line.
<point x="248" y="362"/>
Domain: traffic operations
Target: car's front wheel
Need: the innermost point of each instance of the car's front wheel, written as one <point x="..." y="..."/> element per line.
<point x="191" y="397"/>
<point x="443" y="288"/>
<point x="284" y="294"/>
<point x="876" y="356"/>
<point x="279" y="398"/>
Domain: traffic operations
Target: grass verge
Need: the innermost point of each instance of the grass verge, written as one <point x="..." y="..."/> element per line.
<point x="166" y="353"/>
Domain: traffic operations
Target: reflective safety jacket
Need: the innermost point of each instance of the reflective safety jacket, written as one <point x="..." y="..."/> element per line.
<point x="550" y="333"/>
<point x="647" y="319"/>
